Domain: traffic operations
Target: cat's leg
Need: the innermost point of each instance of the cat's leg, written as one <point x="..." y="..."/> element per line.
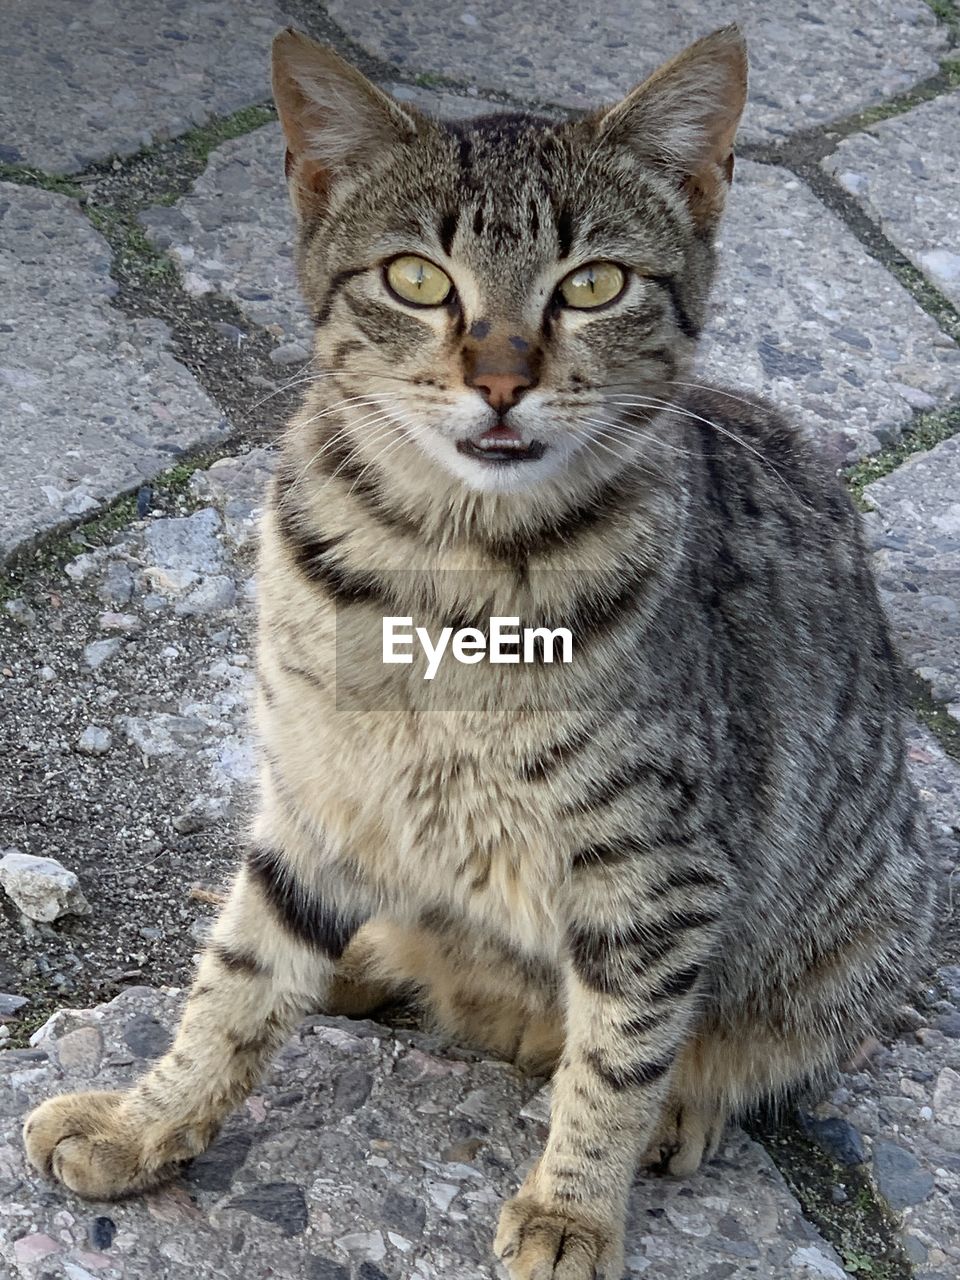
<point x="473" y="989"/>
<point x="370" y="972"/>
<point x="631" y="1004"/>
<point x="271" y="958"/>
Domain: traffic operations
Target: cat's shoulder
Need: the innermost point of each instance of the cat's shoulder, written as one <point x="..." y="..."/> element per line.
<point x="751" y="448"/>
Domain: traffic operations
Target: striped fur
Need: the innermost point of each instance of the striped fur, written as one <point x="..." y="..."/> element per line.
<point x="693" y="859"/>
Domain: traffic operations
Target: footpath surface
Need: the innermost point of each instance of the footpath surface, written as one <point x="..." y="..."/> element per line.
<point x="151" y="341"/>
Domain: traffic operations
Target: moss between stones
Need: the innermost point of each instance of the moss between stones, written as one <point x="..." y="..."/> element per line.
<point x="27" y="177"/>
<point x="933" y="715"/>
<point x="133" y="252"/>
<point x="166" y="493"/>
<point x="861" y="1227"/>
<point x="922" y="433"/>
<point x="948" y="13"/>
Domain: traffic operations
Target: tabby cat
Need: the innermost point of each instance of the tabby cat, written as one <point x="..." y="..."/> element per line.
<point x="683" y="871"/>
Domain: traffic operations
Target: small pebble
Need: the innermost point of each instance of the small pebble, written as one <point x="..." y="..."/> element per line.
<point x="20" y="612"/>
<point x="102" y="1231"/>
<point x="100" y="651"/>
<point x="289" y="353"/>
<point x="95" y="741"/>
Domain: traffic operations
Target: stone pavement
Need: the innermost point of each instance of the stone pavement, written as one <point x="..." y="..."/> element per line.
<point x="150" y="341"/>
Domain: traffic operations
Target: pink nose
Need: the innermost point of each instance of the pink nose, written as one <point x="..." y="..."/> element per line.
<point x="501" y="390"/>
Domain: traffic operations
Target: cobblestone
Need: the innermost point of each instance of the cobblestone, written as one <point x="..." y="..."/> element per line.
<point x="812" y="61"/>
<point x="373" y="1192"/>
<point x="86" y="81"/>
<point x="905" y="172"/>
<point x="91" y="403"/>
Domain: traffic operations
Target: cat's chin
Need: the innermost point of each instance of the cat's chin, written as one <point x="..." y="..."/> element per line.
<point x="505" y="476"/>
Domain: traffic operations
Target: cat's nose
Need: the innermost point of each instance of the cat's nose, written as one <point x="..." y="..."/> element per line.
<point x="501" y="390"/>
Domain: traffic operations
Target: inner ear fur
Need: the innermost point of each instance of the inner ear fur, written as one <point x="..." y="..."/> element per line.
<point x="332" y="118"/>
<point x="684" y="118"/>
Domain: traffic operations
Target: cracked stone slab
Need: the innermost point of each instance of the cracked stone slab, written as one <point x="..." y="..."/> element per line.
<point x="812" y="60"/>
<point x="365" y="1153"/>
<point x="803" y="315"/>
<point x="905" y="1110"/>
<point x="915" y="531"/>
<point x="800" y="312"/>
<point x="91" y="403"/>
<point x="905" y="173"/>
<point x="84" y="81"/>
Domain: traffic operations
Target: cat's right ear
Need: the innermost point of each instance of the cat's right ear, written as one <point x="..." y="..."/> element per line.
<point x="332" y="118"/>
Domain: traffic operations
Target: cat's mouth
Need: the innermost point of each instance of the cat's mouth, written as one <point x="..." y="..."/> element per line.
<point x="502" y="444"/>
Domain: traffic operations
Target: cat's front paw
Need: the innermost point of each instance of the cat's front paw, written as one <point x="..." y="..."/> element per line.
<point x="83" y="1141"/>
<point x="540" y="1242"/>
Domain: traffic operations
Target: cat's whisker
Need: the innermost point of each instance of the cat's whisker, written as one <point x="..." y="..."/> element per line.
<point x="374" y="421"/>
<point x="356" y="401"/>
<point x="717" y="391"/>
<point x="646" y="435"/>
<point x="682" y="411"/>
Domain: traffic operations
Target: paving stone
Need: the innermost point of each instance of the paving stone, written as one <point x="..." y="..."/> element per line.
<point x="801" y="312"/>
<point x="301" y="1190"/>
<point x="905" y="172"/>
<point x="915" y="531"/>
<point x="812" y="60"/>
<point x="803" y="315"/>
<point x="85" y="81"/>
<point x="91" y="403"/>
<point x="907" y="1107"/>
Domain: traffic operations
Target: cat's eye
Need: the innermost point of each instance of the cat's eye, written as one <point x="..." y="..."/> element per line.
<point x="418" y="281"/>
<point x="592" y="285"/>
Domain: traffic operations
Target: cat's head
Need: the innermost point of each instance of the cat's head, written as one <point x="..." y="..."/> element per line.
<point x="510" y="299"/>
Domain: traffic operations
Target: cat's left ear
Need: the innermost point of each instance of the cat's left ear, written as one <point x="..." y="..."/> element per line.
<point x="332" y="118"/>
<point x="684" y="118"/>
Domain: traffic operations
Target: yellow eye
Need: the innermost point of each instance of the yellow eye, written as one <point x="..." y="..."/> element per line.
<point x="592" y="285"/>
<point x="419" y="281"/>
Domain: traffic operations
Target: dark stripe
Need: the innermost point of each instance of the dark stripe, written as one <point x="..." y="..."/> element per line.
<point x="687" y="878"/>
<point x="605" y="506"/>
<point x="633" y="1077"/>
<point x="564" y="233"/>
<point x="238" y="1044"/>
<point x="343" y="349"/>
<point x="311" y="555"/>
<point x="641" y="1024"/>
<point x="311" y="920"/>
<point x="339" y="459"/>
<point x="537" y="768"/>
<point x="447" y="231"/>
<point x="478" y="221"/>
<point x="600" y="792"/>
<point x="675" y="984"/>
<point x="600" y="958"/>
<point x="464" y="151"/>
<point x="687" y="326"/>
<point x="322" y="313"/>
<point x="597" y="613"/>
<point x="300" y="673"/>
<point x="239" y="961"/>
<point x="534" y="226"/>
<point x="603" y="854"/>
